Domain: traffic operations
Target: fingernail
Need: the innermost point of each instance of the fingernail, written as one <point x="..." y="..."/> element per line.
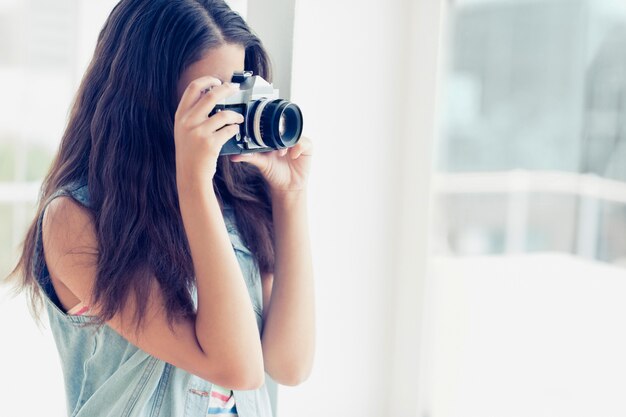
<point x="234" y="86"/>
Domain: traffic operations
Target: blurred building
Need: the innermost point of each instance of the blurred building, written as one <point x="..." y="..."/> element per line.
<point x="530" y="209"/>
<point x="534" y="88"/>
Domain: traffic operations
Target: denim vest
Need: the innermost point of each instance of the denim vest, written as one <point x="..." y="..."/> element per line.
<point x="105" y="375"/>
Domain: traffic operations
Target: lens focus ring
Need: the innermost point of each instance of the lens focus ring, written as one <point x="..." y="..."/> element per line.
<point x="257" y="122"/>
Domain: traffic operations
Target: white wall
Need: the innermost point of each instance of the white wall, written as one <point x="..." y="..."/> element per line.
<point x="371" y="126"/>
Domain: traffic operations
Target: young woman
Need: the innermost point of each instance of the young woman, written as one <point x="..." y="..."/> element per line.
<point x="174" y="278"/>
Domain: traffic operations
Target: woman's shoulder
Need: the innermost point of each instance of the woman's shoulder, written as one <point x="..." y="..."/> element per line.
<point x="65" y="209"/>
<point x="67" y="222"/>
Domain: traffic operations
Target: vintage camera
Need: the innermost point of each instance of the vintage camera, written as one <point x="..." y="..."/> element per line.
<point x="270" y="123"/>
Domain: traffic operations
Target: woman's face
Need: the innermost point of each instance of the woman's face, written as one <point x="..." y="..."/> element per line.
<point x="219" y="62"/>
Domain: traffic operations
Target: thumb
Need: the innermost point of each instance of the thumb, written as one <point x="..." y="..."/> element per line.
<point x="251" y="158"/>
<point x="247" y="157"/>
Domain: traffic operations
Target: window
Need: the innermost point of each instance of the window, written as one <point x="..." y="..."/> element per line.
<point x="529" y="235"/>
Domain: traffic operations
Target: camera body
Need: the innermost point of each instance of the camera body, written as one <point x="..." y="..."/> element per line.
<point x="270" y="123"/>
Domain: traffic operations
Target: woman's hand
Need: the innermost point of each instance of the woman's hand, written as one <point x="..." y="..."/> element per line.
<point x="199" y="138"/>
<point x="285" y="170"/>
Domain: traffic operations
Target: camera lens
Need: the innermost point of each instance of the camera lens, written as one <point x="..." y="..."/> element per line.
<point x="277" y="123"/>
<point x="290" y="124"/>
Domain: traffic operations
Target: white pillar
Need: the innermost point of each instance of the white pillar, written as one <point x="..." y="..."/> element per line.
<point x="425" y="40"/>
<point x="365" y="74"/>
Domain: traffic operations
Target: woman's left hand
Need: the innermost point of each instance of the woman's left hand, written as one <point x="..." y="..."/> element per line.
<point x="285" y="170"/>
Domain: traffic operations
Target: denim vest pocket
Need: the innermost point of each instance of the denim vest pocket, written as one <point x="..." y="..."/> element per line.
<point x="197" y="397"/>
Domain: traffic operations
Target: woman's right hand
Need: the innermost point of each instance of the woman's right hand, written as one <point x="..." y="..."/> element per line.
<point x="198" y="138"/>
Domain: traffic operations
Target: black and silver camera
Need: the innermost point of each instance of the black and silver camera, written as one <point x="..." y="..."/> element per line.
<point x="270" y="123"/>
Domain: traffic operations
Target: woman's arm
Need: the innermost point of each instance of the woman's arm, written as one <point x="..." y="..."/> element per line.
<point x="288" y="337"/>
<point x="289" y="330"/>
<point x="225" y="323"/>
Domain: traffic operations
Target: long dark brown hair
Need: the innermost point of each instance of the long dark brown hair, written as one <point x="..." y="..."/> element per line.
<point x="120" y="139"/>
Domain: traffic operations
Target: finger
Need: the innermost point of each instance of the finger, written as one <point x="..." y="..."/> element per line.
<point x="294" y="152"/>
<point x="221" y="119"/>
<point x="193" y="93"/>
<point x="201" y="109"/>
<point x="224" y="134"/>
<point x="283" y="152"/>
<point x="258" y="159"/>
<point x="303" y="147"/>
<point x="242" y="157"/>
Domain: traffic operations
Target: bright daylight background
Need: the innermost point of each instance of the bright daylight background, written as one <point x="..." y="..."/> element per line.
<point x="525" y="297"/>
<point x="467" y="199"/>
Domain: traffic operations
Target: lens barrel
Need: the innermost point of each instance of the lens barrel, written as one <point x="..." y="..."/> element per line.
<point x="276" y="124"/>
